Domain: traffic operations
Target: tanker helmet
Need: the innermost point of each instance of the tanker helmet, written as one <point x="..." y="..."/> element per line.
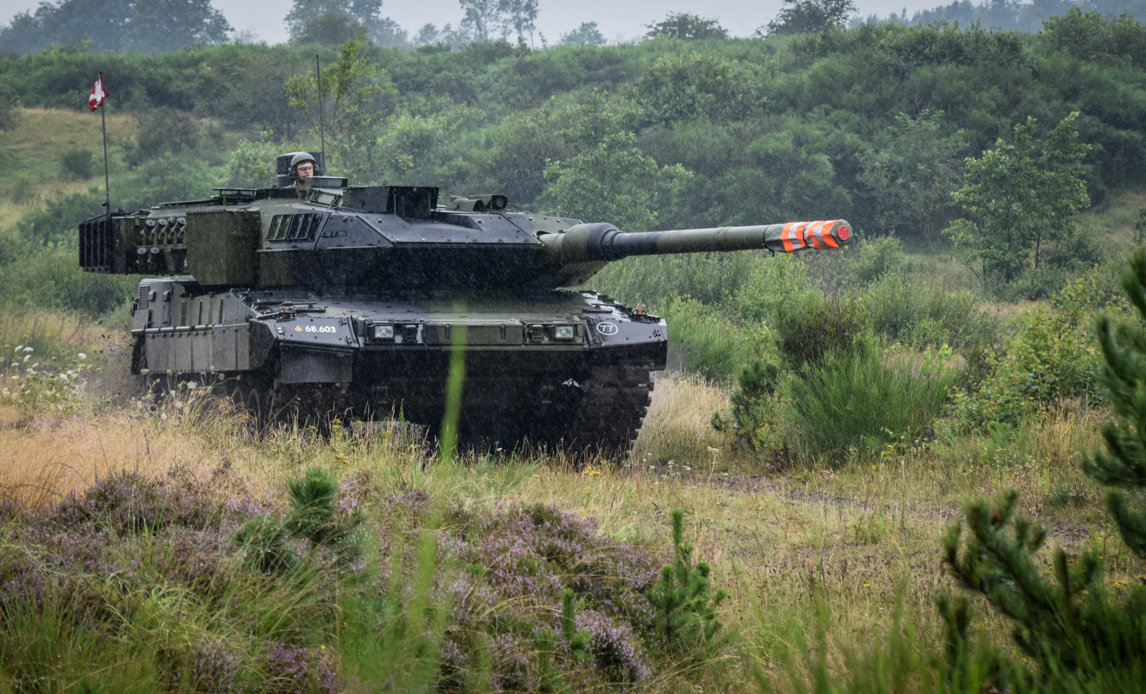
<point x="301" y="158"/>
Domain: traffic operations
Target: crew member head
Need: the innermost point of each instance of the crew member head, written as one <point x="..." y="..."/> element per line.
<point x="303" y="166"/>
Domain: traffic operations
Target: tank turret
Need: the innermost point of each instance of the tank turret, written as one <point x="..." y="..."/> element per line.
<point x="335" y="297"/>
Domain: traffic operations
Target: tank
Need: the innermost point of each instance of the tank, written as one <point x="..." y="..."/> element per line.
<point x="328" y="299"/>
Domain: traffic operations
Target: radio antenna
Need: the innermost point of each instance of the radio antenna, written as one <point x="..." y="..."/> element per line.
<point x="321" y="134"/>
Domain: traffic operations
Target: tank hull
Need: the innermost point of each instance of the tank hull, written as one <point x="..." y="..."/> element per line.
<point x="554" y="368"/>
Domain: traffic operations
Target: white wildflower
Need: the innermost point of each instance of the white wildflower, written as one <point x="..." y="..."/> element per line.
<point x="144" y="372"/>
<point x="82" y="356"/>
<point x="19" y="348"/>
<point x="26" y="358"/>
<point x="192" y="385"/>
<point x="28" y="349"/>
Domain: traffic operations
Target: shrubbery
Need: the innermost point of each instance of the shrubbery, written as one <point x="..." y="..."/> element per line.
<point x="852" y="401"/>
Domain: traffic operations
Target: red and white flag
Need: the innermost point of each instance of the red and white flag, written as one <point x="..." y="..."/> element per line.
<point x="98" y="94"/>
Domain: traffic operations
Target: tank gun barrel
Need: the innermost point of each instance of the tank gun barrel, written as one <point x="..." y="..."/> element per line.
<point x="604" y="242"/>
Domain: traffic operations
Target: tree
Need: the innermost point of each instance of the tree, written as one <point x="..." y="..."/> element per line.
<point x="9" y="116"/>
<point x="913" y="176"/>
<point x="1021" y="193"/>
<point x="336" y="21"/>
<point x="160" y="26"/>
<point x="809" y="17"/>
<point x="255" y="95"/>
<point x="1123" y="466"/>
<point x="330" y="29"/>
<point x="349" y="86"/>
<point x="610" y="180"/>
<point x="1080" y="632"/>
<point x="686" y="27"/>
<point x="585" y="35"/>
<point x="490" y="19"/>
<point x="691" y="85"/>
<point x="1092" y="37"/>
<point x="140" y="26"/>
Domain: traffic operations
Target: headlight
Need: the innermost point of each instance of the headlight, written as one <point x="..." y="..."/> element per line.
<point x="383" y="332"/>
<point x="563" y="332"/>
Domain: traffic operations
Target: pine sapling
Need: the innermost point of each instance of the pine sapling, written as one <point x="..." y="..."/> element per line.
<point x="685" y="610"/>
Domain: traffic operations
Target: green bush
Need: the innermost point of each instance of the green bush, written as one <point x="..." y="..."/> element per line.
<point x="878" y="258"/>
<point x="58" y="220"/>
<point x="755" y="417"/>
<point x="853" y="401"/>
<point x="919" y="312"/>
<point x="770" y="286"/>
<point x="711" y="278"/>
<point x="1053" y="355"/>
<point x="79" y="163"/>
<point x="51" y="278"/>
<point x="813" y="327"/>
<point x="710" y="343"/>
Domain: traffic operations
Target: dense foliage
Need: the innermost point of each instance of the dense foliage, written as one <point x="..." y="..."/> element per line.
<point x="820" y="125"/>
<point x="136" y="26"/>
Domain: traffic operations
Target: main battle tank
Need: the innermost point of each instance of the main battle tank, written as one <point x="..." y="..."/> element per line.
<point x="327" y="298"/>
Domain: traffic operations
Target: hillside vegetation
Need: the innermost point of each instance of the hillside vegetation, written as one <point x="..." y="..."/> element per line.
<point x="826" y="416"/>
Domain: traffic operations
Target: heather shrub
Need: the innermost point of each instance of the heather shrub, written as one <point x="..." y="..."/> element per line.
<point x="128" y="503"/>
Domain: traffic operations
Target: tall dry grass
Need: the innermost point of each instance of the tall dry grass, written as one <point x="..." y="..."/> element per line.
<point x="859" y="538"/>
<point x="678" y="425"/>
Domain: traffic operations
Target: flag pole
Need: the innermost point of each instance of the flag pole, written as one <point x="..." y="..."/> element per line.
<point x="321" y="134"/>
<point x="106" y="178"/>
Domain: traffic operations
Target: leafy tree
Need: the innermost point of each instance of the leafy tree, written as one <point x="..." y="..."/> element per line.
<point x="610" y="179"/>
<point x="809" y="16"/>
<point x="486" y="20"/>
<point x="323" y="20"/>
<point x="254" y="94"/>
<point x="690" y="85"/>
<point x="686" y="27"/>
<point x="159" y="26"/>
<point x="1094" y="38"/>
<point x="349" y="86"/>
<point x="139" y="26"/>
<point x="913" y="176"/>
<point x="330" y="29"/>
<point x="521" y="15"/>
<point x="1021" y="193"/>
<point x="585" y="35"/>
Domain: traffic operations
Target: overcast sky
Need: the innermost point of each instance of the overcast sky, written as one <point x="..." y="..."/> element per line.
<point x="264" y="18"/>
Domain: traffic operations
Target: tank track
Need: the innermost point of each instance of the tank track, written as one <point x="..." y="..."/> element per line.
<point x="597" y="417"/>
<point x="612" y="404"/>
